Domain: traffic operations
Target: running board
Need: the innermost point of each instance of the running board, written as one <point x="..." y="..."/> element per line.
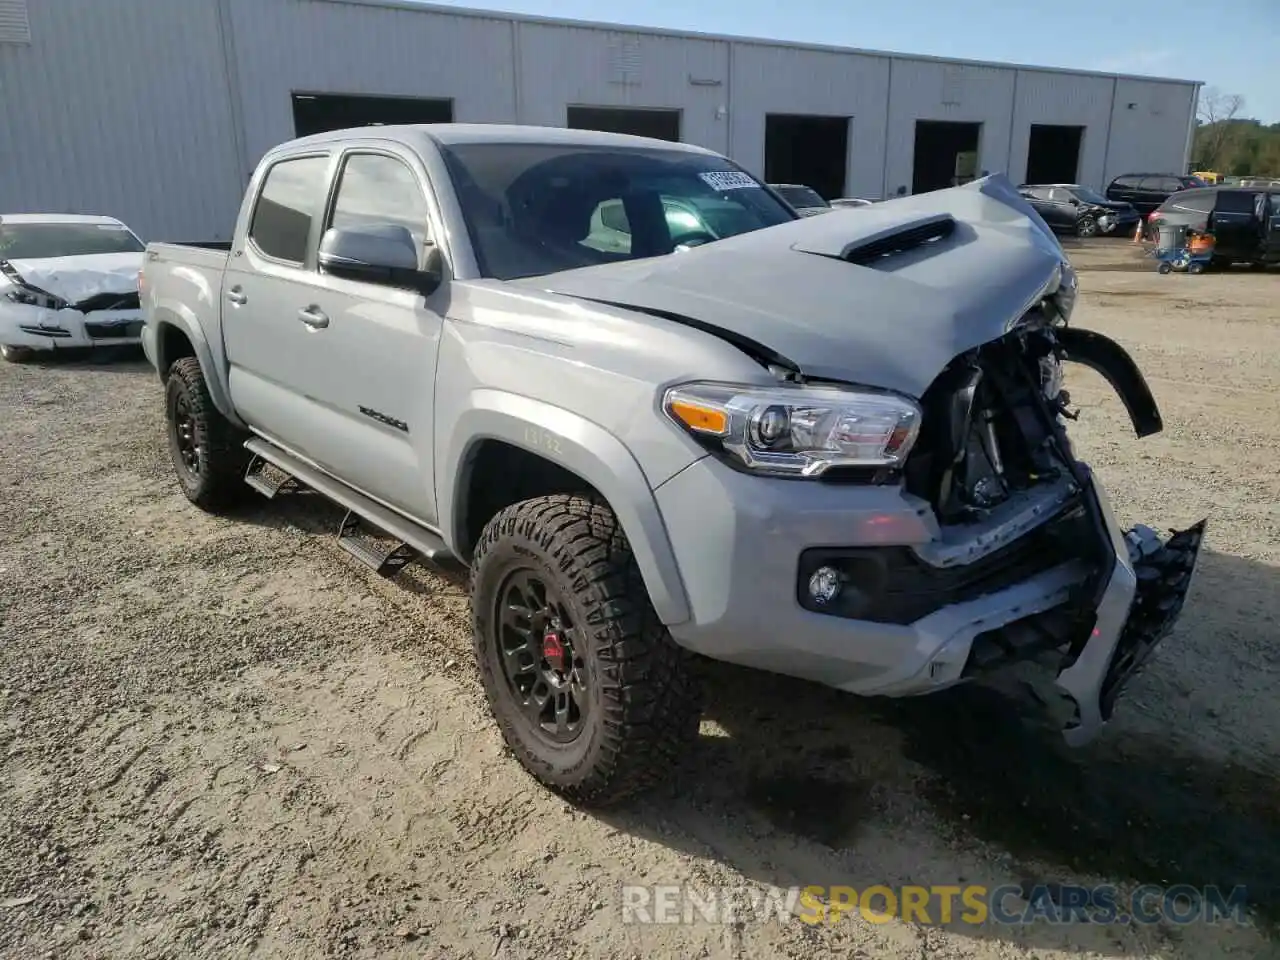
<point x="413" y="541"/>
<point x="267" y="478"/>
<point x="382" y="559"/>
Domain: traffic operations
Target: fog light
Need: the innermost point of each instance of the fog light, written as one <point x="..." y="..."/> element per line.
<point x="824" y="585"/>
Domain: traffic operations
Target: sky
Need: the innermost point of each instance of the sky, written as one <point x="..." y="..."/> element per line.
<point x="1232" y="46"/>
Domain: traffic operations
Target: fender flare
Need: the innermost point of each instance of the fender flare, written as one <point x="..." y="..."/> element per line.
<point x="1108" y="358"/>
<point x="181" y="318"/>
<point x="587" y="450"/>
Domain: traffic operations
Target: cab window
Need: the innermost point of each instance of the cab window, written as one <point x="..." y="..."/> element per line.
<point x="292" y="197"/>
<point x="378" y="190"/>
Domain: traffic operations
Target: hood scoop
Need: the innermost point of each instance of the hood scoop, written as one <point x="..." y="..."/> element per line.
<point x="875" y="246"/>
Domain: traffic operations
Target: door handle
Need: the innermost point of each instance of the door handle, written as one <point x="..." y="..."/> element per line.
<point x="237" y="296"/>
<point x="314" y="318"/>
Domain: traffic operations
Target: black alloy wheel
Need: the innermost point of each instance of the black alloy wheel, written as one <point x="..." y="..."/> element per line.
<point x="542" y="657"/>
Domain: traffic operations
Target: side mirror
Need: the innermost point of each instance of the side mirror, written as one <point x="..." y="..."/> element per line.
<point x="385" y="254"/>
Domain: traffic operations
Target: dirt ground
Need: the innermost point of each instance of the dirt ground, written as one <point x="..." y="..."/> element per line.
<point x="223" y="737"/>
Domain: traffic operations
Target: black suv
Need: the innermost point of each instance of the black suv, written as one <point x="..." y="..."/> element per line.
<point x="1146" y="191"/>
<point x="1244" y="221"/>
<point x="1078" y="210"/>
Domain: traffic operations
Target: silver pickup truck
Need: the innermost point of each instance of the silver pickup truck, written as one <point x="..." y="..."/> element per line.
<point x="657" y="414"/>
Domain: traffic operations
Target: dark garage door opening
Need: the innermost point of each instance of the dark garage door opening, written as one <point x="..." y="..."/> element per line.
<point x="813" y="151"/>
<point x="1053" y="154"/>
<point x="637" y="121"/>
<point x="946" y="154"/>
<point x="321" y="112"/>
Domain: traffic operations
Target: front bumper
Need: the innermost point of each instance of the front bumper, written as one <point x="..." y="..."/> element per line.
<point x="1120" y="223"/>
<point x="38" y="328"/>
<point x="738" y="541"/>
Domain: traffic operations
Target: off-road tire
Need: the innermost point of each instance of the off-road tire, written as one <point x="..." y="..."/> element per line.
<point x="218" y="481"/>
<point x="645" y="701"/>
<point x="16" y="354"/>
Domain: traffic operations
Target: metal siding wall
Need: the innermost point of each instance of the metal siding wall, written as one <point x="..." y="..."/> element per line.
<point x="771" y="79"/>
<point x="126" y="108"/>
<point x="1056" y="98"/>
<point x="576" y="65"/>
<point x="283" y="46"/>
<point x="923" y="90"/>
<point x="1151" y="135"/>
<point x="120" y="109"/>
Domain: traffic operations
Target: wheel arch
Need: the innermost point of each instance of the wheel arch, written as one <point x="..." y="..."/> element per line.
<point x="178" y="334"/>
<point x="550" y="450"/>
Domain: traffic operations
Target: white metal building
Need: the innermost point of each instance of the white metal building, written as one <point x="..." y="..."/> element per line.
<point x="155" y="111"/>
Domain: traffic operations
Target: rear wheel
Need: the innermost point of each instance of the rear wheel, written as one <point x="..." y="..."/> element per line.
<point x="16" y="354"/>
<point x="1165" y="267"/>
<point x="589" y="690"/>
<point x="1196" y="268"/>
<point x="207" y="450"/>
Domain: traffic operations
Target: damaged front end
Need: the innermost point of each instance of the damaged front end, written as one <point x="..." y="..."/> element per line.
<point x="994" y="461"/>
<point x="35" y="317"/>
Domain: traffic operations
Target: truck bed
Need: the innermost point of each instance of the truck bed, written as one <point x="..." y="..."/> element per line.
<point x="212" y="254"/>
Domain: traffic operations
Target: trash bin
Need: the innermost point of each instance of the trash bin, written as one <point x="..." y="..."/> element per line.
<point x="1172" y="236"/>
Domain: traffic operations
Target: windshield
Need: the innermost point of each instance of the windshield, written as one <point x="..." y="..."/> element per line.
<point x="36" y="241"/>
<point x="535" y="209"/>
<point x="801" y="196"/>
<point x="1089" y="196"/>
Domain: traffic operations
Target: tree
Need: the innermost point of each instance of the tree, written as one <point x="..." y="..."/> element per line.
<point x="1216" y="112"/>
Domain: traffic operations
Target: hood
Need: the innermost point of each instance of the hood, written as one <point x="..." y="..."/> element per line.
<point x="78" y="278"/>
<point x="1119" y="206"/>
<point x="884" y="299"/>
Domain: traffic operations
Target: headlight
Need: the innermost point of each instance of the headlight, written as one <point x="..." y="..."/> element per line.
<point x="1065" y="296"/>
<point x="22" y="297"/>
<point x="798" y="431"/>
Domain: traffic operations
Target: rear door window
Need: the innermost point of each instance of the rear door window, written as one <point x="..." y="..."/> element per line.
<point x="1126" y="183"/>
<point x="291" y="200"/>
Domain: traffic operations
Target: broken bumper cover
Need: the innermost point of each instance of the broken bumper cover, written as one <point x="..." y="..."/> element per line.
<point x="738" y="542"/>
<point x="39" y="328"/>
<point x="1139" y="608"/>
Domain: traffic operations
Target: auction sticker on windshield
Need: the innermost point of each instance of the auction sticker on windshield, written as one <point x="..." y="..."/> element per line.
<point x="727" y="180"/>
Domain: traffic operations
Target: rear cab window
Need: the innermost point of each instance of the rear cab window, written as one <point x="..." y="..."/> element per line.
<point x="290" y="202"/>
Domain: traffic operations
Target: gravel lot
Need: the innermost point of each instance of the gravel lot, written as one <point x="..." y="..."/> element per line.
<point x="222" y="736"/>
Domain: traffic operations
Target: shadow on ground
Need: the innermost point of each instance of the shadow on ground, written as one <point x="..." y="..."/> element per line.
<point x="807" y="786"/>
<point x="816" y="785"/>
<point x="104" y="359"/>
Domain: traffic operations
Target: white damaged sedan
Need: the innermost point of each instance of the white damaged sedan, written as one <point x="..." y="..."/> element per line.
<point x="67" y="281"/>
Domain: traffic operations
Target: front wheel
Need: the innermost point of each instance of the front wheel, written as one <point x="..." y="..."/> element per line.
<point x="1086" y="227"/>
<point x="207" y="450"/>
<point x="1165" y="267"/>
<point x="1196" y="268"/>
<point x="589" y="690"/>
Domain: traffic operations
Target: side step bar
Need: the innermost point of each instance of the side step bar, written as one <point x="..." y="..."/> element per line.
<point x="412" y="540"/>
<point x="267" y="478"/>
